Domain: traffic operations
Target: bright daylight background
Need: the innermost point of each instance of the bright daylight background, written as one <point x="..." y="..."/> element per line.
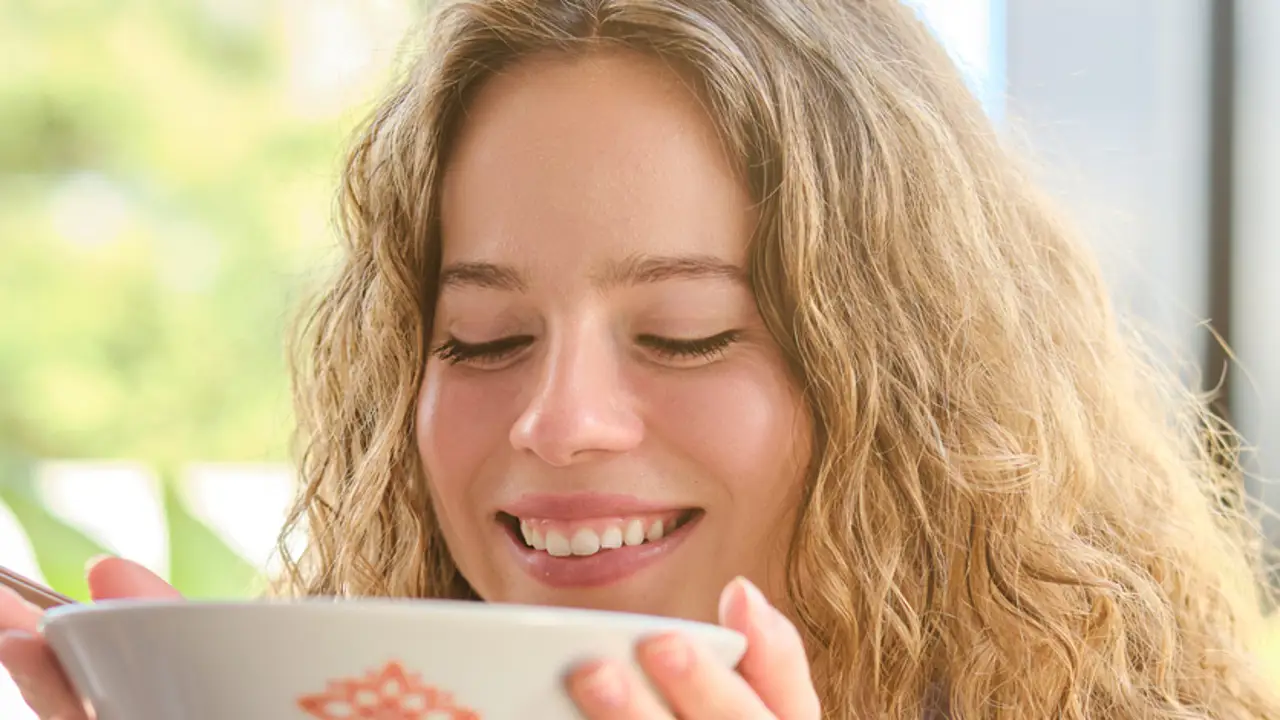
<point x="166" y="176"/>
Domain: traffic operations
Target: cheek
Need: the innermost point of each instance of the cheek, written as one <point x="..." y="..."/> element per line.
<point x="462" y="421"/>
<point x="744" y="425"/>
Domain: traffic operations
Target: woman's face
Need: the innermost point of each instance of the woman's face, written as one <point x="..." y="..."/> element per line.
<point x="605" y="420"/>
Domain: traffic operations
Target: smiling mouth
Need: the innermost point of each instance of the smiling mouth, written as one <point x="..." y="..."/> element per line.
<point x="595" y="536"/>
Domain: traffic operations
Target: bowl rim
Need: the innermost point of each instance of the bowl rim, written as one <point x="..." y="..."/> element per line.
<point x="66" y="617"/>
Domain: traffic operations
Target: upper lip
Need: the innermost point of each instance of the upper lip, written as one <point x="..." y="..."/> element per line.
<point x="583" y="506"/>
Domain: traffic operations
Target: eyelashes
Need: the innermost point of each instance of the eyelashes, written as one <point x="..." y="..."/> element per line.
<point x="699" y="348"/>
<point x="455" y="351"/>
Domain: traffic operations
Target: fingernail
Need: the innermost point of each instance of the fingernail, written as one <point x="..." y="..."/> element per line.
<point x="730" y="597"/>
<point x="604" y="686"/>
<point x="754" y="594"/>
<point x="670" y="653"/>
<point x="742" y="596"/>
<point x="8" y="636"/>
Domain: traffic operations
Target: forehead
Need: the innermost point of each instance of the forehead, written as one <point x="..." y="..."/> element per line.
<point x="590" y="159"/>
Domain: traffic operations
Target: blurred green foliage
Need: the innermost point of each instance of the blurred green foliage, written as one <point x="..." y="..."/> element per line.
<point x="201" y="565"/>
<point x="167" y="169"/>
<point x="60" y="549"/>
<point x="162" y="205"/>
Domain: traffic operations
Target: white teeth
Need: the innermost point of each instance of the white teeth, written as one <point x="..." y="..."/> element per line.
<point x="655" y="531"/>
<point x="612" y="538"/>
<point x="585" y="542"/>
<point x="634" y="534"/>
<point x="558" y="545"/>
<point x="588" y="541"/>
<point x="532" y="536"/>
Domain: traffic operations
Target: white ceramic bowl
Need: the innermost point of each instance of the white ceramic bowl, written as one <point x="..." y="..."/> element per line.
<point x="300" y="660"/>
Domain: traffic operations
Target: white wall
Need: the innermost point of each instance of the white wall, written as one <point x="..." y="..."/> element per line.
<point x="1113" y="97"/>
<point x="1257" y="217"/>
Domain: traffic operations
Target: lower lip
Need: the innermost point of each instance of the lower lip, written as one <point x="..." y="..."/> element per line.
<point x="604" y="568"/>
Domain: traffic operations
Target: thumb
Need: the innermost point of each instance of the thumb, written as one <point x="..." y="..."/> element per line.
<point x="112" y="578"/>
<point x="775" y="664"/>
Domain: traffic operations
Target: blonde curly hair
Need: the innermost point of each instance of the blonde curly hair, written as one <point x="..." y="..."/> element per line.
<point x="1009" y="501"/>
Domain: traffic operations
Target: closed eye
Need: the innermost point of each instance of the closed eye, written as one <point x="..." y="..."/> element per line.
<point x="454" y="351"/>
<point x="690" y="349"/>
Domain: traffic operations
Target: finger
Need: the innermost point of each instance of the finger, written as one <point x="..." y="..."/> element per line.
<point x="113" y="578"/>
<point x="607" y="690"/>
<point x="775" y="664"/>
<point x="695" y="684"/>
<point x="18" y="614"/>
<point x="39" y="678"/>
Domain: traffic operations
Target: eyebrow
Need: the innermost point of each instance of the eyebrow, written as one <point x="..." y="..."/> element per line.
<point x="642" y="269"/>
<point x="635" y="270"/>
<point x="481" y="275"/>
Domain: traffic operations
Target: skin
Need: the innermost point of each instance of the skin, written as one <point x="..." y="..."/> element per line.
<point x="24" y="654"/>
<point x="569" y="176"/>
<point x="566" y="173"/>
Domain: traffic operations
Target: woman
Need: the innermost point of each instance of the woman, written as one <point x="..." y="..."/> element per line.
<point x="641" y="296"/>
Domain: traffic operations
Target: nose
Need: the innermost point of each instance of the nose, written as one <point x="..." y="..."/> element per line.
<point x="580" y="407"/>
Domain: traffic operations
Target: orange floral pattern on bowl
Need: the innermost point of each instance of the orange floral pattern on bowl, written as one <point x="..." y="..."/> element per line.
<point x="390" y="693"/>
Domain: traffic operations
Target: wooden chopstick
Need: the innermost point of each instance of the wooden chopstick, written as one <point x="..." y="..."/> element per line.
<point x="41" y="596"/>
